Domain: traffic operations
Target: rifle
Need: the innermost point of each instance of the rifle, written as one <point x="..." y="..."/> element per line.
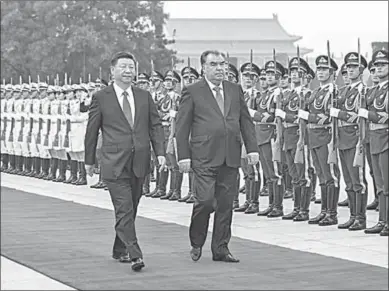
<point x="66" y="142"/>
<point x="277" y="143"/>
<point x="20" y="138"/>
<point x="59" y="122"/>
<point x="11" y="135"/>
<point x="46" y="141"/>
<point x="38" y="137"/>
<point x="359" y="158"/>
<point x="5" y="118"/>
<point x="29" y="136"/>
<point x="333" y="145"/>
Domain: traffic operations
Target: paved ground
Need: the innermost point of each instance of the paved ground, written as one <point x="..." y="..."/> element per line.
<point x="329" y="242"/>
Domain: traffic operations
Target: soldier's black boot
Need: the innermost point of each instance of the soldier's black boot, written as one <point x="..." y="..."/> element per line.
<point x="313" y="178"/>
<point x="270" y="190"/>
<point x="20" y="165"/>
<point x="288" y="184"/>
<point x="322" y="214"/>
<point x="187" y="196"/>
<point x="376" y="229"/>
<point x="29" y="171"/>
<point x="332" y="202"/>
<point x="82" y="180"/>
<point x="73" y="172"/>
<point x="277" y="210"/>
<point x="171" y="186"/>
<point x="5" y="159"/>
<point x="163" y="177"/>
<point x="12" y="164"/>
<point x="352" y="203"/>
<point x="385" y="230"/>
<point x="158" y="174"/>
<point x="37" y="161"/>
<point x="235" y="204"/>
<point x="62" y="165"/>
<point x="296" y="204"/>
<point x="254" y="197"/>
<point x="246" y="204"/>
<point x="344" y="203"/>
<point x="192" y="196"/>
<point x="306" y="193"/>
<point x="45" y="169"/>
<point x="146" y="185"/>
<point x="373" y="205"/>
<point x="178" y="185"/>
<point x="360" y="221"/>
<point x="53" y="169"/>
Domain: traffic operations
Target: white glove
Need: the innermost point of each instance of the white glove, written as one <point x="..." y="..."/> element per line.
<point x="331" y="87"/>
<point x="161" y="163"/>
<point x="280" y="113"/>
<point x="277" y="91"/>
<point x="360" y="88"/>
<point x="252" y="112"/>
<point x="252" y="158"/>
<point x="172" y="113"/>
<point x="334" y="112"/>
<point x="303" y="114"/>
<point x="363" y="113"/>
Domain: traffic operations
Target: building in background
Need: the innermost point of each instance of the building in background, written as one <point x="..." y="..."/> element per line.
<point x="235" y="36"/>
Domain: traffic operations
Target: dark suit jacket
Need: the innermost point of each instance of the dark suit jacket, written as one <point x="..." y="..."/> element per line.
<point x="214" y="138"/>
<point x="119" y="140"/>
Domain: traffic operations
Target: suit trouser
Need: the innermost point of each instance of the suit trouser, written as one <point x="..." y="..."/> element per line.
<point x="355" y="183"/>
<point x="381" y="170"/>
<point x="125" y="192"/>
<point x="214" y="190"/>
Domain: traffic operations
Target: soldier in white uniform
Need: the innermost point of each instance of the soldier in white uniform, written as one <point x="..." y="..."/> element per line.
<point x="18" y="129"/>
<point x="46" y="132"/>
<point x="10" y="109"/>
<point x="3" y="125"/>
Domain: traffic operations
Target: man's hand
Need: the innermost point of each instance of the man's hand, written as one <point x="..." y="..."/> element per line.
<point x="89" y="170"/>
<point x="253" y="158"/>
<point x="161" y="163"/>
<point x="303" y="114"/>
<point x="184" y="165"/>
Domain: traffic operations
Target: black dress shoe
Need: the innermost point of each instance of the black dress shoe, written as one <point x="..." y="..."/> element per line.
<point x="347" y="224"/>
<point x="291" y="215"/>
<point x="243" y="207"/>
<point x="190" y="200"/>
<point x="266" y="211"/>
<point x="252" y="209"/>
<point x="328" y="220"/>
<point x="125" y="258"/>
<point x="385" y="231"/>
<point x="317" y="219"/>
<point x="185" y="198"/>
<point x="373" y="205"/>
<point x="376" y="229"/>
<point x="137" y="264"/>
<point x="228" y="258"/>
<point x="301" y="217"/>
<point x="195" y="254"/>
<point x="358" y="225"/>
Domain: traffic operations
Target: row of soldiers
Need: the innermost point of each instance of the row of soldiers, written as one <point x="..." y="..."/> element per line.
<point x="316" y="132"/>
<point x="301" y="134"/>
<point x="43" y="128"/>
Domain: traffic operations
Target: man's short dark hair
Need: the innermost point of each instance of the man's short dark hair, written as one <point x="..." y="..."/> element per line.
<point x="121" y="55"/>
<point x="205" y="54"/>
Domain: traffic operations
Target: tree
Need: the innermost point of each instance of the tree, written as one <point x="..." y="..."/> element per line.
<point x="79" y="37"/>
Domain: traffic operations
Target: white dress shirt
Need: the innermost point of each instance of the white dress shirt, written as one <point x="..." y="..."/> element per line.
<point x="119" y="94"/>
<point x="213" y="86"/>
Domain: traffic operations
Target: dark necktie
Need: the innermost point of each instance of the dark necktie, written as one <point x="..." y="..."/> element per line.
<point x="219" y="99"/>
<point x="127" y="109"/>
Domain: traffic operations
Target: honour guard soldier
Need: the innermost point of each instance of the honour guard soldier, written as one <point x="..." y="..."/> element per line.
<point x="344" y="73"/>
<point x="33" y="128"/>
<point x="18" y="129"/>
<point x="189" y="76"/>
<point x="320" y="135"/>
<point x="370" y="96"/>
<point x="10" y="109"/>
<point x="349" y="131"/>
<point x="168" y="107"/>
<point x="265" y="129"/>
<point x="250" y="74"/>
<point x="4" y="123"/>
<point x="143" y="81"/>
<point x="295" y="141"/>
<point x="377" y="115"/>
<point x="40" y="129"/>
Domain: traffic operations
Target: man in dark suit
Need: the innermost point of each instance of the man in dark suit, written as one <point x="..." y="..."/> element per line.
<point x="214" y="115"/>
<point x="129" y="121"/>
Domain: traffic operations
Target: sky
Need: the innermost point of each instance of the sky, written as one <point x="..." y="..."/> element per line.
<point x="341" y="22"/>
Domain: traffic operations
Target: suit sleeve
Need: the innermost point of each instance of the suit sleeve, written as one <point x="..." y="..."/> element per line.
<point x="92" y="131"/>
<point x="155" y="128"/>
<point x="184" y="124"/>
<point x="247" y="128"/>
